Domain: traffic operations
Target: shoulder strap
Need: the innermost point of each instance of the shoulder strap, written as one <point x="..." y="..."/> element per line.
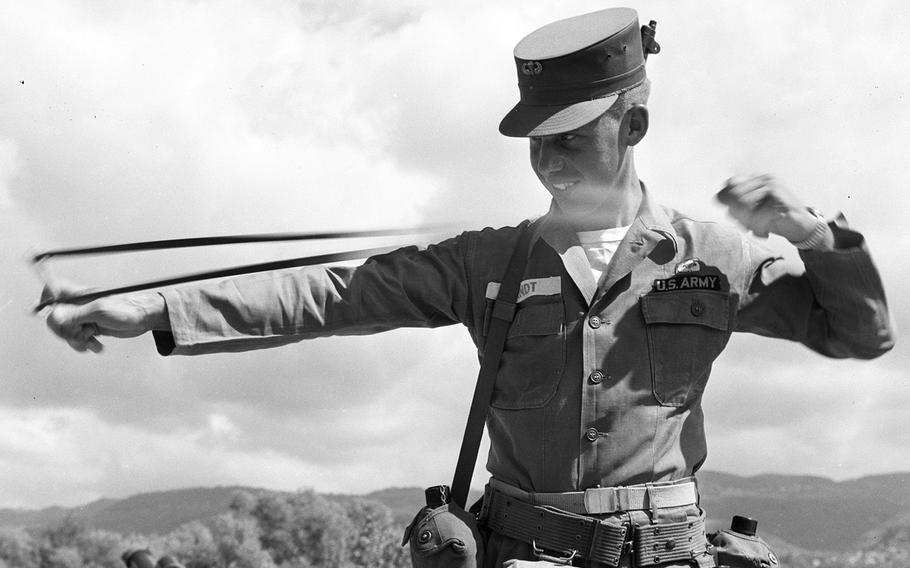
<point x="503" y="313"/>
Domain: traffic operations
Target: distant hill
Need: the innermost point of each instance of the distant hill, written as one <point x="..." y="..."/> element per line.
<point x="147" y="513"/>
<point x="793" y="512"/>
<point x="812" y="513"/>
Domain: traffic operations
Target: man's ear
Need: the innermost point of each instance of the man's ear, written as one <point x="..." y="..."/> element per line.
<point x="635" y="124"/>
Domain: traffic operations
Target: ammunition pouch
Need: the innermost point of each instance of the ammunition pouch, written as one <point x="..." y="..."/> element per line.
<point x="564" y="537"/>
<point x="444" y="537"/>
<point x="682" y="541"/>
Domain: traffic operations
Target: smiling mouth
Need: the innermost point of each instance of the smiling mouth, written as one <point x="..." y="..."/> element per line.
<point x="563" y="186"/>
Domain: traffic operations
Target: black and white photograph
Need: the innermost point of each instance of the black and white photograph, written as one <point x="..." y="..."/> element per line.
<point x="255" y="254"/>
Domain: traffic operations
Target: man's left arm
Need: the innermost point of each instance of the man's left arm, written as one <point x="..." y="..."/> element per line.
<point x="838" y="306"/>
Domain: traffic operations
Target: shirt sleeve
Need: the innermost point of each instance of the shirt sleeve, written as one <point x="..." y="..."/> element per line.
<point x="836" y="306"/>
<point x="409" y="287"/>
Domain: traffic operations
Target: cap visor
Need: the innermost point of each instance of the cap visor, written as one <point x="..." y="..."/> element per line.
<point x="529" y="120"/>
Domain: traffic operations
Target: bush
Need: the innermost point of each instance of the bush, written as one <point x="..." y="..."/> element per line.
<point x="290" y="530"/>
<point x="18" y="548"/>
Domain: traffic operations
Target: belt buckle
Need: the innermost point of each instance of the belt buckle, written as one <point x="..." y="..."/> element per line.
<point x="618" y="504"/>
<point x="562" y="560"/>
<point x="594" y="500"/>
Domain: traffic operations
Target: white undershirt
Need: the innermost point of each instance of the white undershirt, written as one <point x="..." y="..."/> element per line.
<point x="600" y="246"/>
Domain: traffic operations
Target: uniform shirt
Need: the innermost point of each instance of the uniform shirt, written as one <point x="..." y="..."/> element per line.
<point x="600" y="246"/>
<point x="600" y="383"/>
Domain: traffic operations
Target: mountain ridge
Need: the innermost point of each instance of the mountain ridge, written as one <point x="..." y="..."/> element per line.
<point x="801" y="512"/>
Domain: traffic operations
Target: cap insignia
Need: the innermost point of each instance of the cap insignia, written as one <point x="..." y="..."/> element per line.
<point x="531" y="68"/>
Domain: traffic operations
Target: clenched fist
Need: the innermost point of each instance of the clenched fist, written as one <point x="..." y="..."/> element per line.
<point x="762" y="205"/>
<point x="115" y="316"/>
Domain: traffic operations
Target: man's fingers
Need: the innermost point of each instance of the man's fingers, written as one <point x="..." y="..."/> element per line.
<point x="729" y="191"/>
<point x="87" y="331"/>
<point x="94" y="345"/>
<point x="89" y="343"/>
<point x="76" y="345"/>
<point x="752" y="201"/>
<point x="754" y="198"/>
<point x="59" y="322"/>
<point x="745" y="191"/>
<point x="88" y="334"/>
<point x="754" y="220"/>
<point x="65" y="321"/>
<point x="56" y="289"/>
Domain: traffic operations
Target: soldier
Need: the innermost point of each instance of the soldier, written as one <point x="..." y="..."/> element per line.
<point x="596" y="415"/>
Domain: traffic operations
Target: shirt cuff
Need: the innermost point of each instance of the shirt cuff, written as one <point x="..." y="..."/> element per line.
<point x="164" y="342"/>
<point x="821" y="238"/>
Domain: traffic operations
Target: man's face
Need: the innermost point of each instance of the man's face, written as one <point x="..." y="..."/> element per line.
<point x="581" y="168"/>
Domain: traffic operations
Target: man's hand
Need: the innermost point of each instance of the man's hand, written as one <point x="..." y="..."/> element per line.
<point x="116" y="316"/>
<point x="764" y="206"/>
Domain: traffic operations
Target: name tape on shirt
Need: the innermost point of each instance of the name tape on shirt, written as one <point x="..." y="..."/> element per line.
<point x="686" y="281"/>
<point x="531" y="287"/>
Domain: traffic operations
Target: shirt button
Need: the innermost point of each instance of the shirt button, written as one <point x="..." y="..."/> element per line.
<point x="591" y="434"/>
<point x="697" y="308"/>
<point x="596" y="377"/>
<point x="595" y="322"/>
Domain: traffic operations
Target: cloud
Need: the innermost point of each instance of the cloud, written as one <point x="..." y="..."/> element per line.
<point x="192" y="121"/>
<point x="341" y="431"/>
<point x="38" y="445"/>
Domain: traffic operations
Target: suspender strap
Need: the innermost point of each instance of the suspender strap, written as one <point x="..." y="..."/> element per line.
<point x="503" y="312"/>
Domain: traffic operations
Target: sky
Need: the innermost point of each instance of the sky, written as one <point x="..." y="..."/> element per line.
<point x="122" y="122"/>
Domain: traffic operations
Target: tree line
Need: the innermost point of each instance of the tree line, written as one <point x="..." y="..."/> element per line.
<point x="307" y="530"/>
<point x="291" y="530"/>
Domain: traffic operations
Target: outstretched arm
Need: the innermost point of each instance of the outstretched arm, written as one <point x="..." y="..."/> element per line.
<point x="408" y="287"/>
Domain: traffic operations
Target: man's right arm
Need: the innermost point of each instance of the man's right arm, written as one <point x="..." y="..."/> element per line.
<point x="409" y="287"/>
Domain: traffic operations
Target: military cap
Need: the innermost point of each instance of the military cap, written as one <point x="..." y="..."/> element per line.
<point x="571" y="71"/>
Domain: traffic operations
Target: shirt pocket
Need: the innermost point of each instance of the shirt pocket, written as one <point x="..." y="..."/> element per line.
<point x="686" y="332"/>
<point x="533" y="357"/>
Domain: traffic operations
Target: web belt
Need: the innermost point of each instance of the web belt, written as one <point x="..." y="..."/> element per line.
<point x="604" y="500"/>
<point x="550" y="530"/>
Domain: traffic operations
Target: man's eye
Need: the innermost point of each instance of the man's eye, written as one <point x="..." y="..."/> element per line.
<point x="568" y="137"/>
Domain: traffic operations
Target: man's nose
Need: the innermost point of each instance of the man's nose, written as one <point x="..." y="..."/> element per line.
<point x="549" y="159"/>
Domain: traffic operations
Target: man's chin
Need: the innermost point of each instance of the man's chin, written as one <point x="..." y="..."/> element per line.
<point x="576" y="215"/>
<point x="575" y="209"/>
